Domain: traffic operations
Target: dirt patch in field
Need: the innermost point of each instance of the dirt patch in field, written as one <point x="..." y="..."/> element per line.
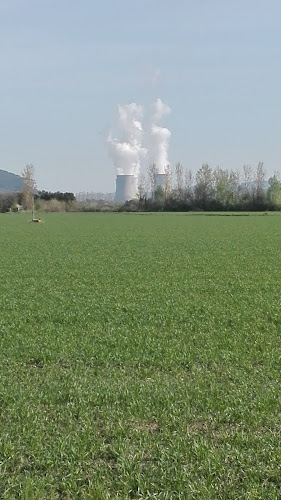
<point x="148" y="426"/>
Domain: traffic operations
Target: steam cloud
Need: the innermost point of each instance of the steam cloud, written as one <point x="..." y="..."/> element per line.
<point x="159" y="137"/>
<point x="128" y="152"/>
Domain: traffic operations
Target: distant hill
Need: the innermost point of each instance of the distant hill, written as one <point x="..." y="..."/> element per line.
<point x="9" y="182"/>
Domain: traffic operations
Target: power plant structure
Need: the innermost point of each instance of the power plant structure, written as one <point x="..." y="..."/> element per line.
<point x="126" y="188"/>
<point x="128" y="152"/>
<point x="160" y="180"/>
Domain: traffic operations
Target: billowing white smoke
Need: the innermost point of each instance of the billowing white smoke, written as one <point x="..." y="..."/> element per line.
<point x="128" y="152"/>
<point x="159" y="137"/>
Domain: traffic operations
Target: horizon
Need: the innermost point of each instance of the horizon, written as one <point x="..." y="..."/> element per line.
<point x="241" y="182"/>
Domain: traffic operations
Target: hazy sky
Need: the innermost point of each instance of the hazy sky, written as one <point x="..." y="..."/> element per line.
<point x="67" y="64"/>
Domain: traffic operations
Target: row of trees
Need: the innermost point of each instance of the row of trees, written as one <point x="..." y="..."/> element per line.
<point x="58" y="195"/>
<point x="210" y="189"/>
<point x="31" y="199"/>
<point x="14" y="202"/>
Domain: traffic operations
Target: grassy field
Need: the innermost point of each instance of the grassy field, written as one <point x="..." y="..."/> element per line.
<point x="140" y="357"/>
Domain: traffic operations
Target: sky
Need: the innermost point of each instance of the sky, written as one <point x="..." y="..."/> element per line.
<point x="66" y="65"/>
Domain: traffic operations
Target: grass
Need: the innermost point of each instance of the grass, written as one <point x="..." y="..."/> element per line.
<point x="140" y="357"/>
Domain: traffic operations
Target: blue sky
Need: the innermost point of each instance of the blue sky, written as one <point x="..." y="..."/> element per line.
<point x="67" y="64"/>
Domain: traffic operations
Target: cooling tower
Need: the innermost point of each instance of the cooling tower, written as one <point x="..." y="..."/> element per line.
<point x="160" y="180"/>
<point x="126" y="188"/>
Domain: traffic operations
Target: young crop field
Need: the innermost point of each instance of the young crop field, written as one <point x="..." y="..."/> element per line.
<point x="140" y="357"/>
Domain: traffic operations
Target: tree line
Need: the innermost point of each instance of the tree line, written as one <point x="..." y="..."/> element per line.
<point x="43" y="201"/>
<point x="210" y="189"/>
<point x="29" y="198"/>
<point x="58" y="195"/>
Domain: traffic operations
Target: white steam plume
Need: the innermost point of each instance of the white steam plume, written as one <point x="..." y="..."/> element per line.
<point x="128" y="152"/>
<point x="159" y="137"/>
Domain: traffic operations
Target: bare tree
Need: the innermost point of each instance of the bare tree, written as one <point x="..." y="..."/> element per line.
<point x="142" y="191"/>
<point x="188" y="182"/>
<point x="28" y="187"/>
<point x="248" y="180"/>
<point x="233" y="186"/>
<point x="259" y="181"/>
<point x="141" y="186"/>
<point x="152" y="173"/>
<point x="167" y="181"/>
<point x="179" y="180"/>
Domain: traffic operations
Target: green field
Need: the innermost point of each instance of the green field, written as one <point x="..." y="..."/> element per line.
<point x="140" y="356"/>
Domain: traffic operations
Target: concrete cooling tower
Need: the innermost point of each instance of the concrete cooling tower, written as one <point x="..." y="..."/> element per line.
<point x="126" y="188"/>
<point x="160" y="180"/>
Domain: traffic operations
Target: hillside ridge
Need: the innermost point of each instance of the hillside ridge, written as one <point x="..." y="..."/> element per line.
<point x="10" y="182"/>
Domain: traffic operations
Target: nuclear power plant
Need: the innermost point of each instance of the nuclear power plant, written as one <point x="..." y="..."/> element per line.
<point x="126" y="188"/>
<point x="128" y="153"/>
